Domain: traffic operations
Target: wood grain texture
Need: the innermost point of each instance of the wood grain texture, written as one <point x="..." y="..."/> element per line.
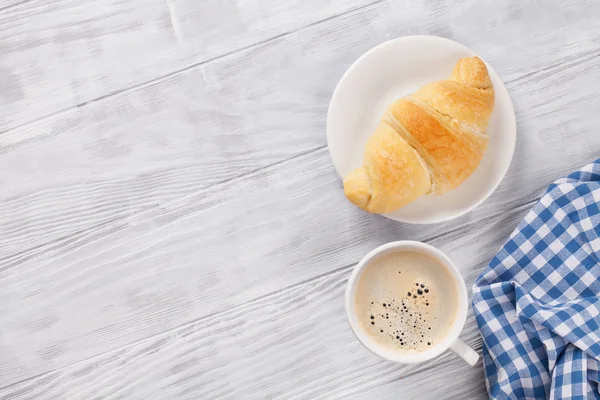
<point x="224" y="119"/>
<point x="188" y="237"/>
<point x="60" y="54"/>
<point x="273" y="336"/>
<point x="267" y="348"/>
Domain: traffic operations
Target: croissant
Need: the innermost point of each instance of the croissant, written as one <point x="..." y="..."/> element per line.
<point x="429" y="142"/>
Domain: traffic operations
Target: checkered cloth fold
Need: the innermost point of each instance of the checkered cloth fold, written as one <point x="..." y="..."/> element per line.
<point x="537" y="303"/>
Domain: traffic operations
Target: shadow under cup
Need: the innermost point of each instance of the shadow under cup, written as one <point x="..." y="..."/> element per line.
<point x="450" y="340"/>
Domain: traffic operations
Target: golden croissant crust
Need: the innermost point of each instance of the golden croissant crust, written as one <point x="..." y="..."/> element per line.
<point x="429" y="142"/>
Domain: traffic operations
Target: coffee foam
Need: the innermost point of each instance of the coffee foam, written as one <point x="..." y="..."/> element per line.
<point x="406" y="301"/>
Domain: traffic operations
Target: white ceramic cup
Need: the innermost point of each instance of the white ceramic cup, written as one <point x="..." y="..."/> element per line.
<point x="451" y="341"/>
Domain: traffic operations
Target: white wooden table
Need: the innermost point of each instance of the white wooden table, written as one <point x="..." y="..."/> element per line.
<point x="171" y="223"/>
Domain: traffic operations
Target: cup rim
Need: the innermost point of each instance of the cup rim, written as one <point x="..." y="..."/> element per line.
<point x="457" y="325"/>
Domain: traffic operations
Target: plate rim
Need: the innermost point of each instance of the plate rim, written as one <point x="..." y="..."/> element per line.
<point x="509" y="104"/>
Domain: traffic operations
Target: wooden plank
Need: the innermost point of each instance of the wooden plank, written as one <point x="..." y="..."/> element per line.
<point x="228" y="118"/>
<point x="288" y="344"/>
<point x="59" y="54"/>
<point x="211" y="251"/>
<point x="4" y="4"/>
<point x="80" y="271"/>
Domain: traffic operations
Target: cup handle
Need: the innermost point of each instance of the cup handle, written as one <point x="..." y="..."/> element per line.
<point x="465" y="352"/>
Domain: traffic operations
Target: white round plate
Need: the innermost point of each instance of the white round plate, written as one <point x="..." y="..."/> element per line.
<point x="398" y="68"/>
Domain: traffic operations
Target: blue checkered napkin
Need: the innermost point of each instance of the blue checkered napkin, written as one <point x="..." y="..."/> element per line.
<point x="537" y="303"/>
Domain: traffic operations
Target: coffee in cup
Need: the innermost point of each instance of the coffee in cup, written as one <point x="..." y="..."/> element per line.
<point x="406" y="301"/>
